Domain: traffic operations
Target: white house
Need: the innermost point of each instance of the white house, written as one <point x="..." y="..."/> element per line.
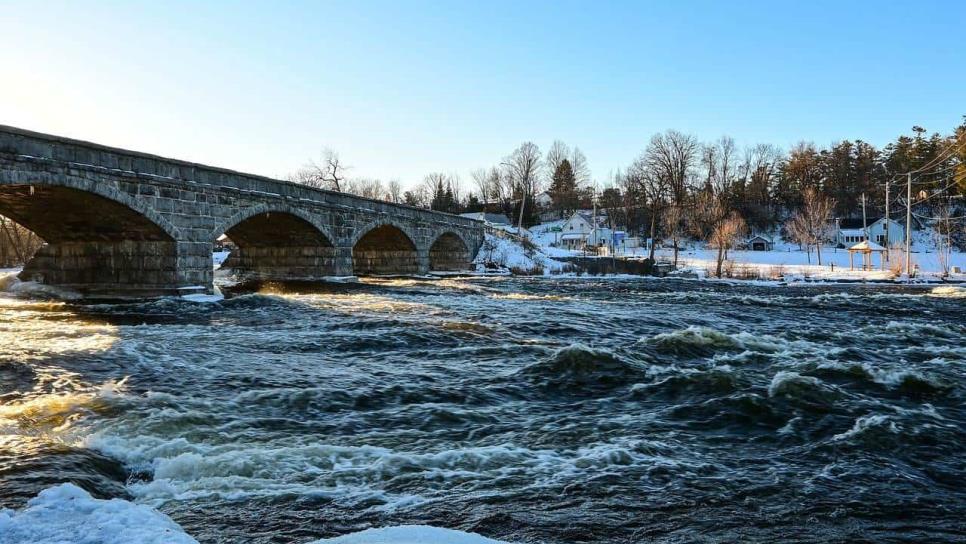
<point x="889" y="230"/>
<point x="848" y="237"/>
<point x="579" y="231"/>
<point x="878" y="230"/>
<point x="544" y="199"/>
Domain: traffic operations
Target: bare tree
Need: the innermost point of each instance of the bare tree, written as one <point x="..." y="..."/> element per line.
<point x="718" y="163"/>
<point x="456" y="186"/>
<point x="481" y="181"/>
<point x="329" y="173"/>
<point x="418" y="196"/>
<point x="17" y="244"/>
<point x="365" y="187"/>
<point x="578" y="161"/>
<point x="523" y="168"/>
<point x="435" y="181"/>
<point x="710" y="218"/>
<point x="394" y="191"/>
<point x="724" y="235"/>
<point x="672" y="223"/>
<point x="581" y="170"/>
<point x="943" y="233"/>
<point x="671" y="156"/>
<point x="555" y="155"/>
<point x="812" y="224"/>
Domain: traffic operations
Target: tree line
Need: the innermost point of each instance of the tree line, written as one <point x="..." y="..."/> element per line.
<point x="679" y="186"/>
<point x="762" y="183"/>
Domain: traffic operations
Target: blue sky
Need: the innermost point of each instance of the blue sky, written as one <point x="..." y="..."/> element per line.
<point x="401" y="89"/>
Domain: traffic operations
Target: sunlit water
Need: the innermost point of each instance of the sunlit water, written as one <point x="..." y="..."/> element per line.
<point x="556" y="411"/>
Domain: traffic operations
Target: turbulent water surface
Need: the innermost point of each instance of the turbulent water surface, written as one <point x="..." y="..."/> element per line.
<point x="557" y="411"/>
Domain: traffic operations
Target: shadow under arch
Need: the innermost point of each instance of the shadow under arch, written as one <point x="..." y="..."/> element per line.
<point x="384" y="248"/>
<point x="449" y="252"/>
<point x="98" y="240"/>
<point x="277" y="243"/>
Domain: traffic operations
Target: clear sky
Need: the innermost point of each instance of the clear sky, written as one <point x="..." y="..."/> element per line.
<point x="404" y="88"/>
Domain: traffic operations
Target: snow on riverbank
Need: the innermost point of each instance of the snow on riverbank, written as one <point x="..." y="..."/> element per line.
<point x="410" y="534"/>
<point x="218" y="258"/>
<point x="68" y="514"/>
<point x="508" y="254"/>
<point x="795" y="263"/>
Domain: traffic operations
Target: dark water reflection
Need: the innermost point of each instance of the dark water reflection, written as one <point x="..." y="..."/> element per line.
<point x="529" y="410"/>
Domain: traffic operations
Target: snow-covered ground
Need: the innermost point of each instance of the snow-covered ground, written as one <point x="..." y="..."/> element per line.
<point x="786" y="260"/>
<point x="219" y="257"/>
<point x="68" y="514"/>
<point x="508" y="254"/>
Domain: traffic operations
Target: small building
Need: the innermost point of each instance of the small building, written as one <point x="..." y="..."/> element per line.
<point x="578" y="223"/>
<point x="847" y="237"/>
<point x="887" y="232"/>
<point x="544" y="200"/>
<point x="759" y="242"/>
<point x="600" y="236"/>
<point x="877" y="229"/>
<point x="573" y="240"/>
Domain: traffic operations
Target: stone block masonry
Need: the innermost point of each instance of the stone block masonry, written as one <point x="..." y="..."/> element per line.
<point x="124" y="223"/>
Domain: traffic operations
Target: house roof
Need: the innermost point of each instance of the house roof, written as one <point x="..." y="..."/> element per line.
<point x="494" y="218"/>
<point x="867" y="246"/>
<point x="759" y="237"/>
<point x="850" y="223"/>
<point x="852" y="232"/>
<point x="573" y="236"/>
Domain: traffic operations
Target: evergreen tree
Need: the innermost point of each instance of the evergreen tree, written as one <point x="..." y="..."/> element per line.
<point x="449" y="202"/>
<point x="563" y="188"/>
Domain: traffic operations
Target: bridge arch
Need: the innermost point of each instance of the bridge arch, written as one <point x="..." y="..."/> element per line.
<point x="98" y="239"/>
<point x="277" y="242"/>
<point x="10" y="181"/>
<point x="384" y="247"/>
<point x="449" y="252"/>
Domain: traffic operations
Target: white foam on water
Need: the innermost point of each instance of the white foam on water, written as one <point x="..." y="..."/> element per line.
<point x="68" y="514"/>
<point x="11" y="283"/>
<point x="948" y="291"/>
<point x="867" y="423"/>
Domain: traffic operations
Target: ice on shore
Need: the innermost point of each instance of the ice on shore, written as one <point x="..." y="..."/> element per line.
<point x="409" y="534"/>
<point x="68" y="514"/>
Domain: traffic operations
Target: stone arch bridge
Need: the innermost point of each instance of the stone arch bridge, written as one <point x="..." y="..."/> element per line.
<point x="123" y="223"/>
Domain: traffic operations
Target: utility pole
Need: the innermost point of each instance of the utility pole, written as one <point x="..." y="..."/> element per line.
<point x="888" y="226"/>
<point x="593" y="199"/>
<point x="908" y="226"/>
<point x="865" y="224"/>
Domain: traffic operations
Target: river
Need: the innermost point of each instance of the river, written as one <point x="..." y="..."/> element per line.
<point x="567" y="410"/>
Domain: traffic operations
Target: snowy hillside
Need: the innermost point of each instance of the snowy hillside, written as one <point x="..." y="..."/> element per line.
<point x="507" y="254"/>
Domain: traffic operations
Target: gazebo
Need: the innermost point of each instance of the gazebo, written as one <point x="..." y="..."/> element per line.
<point x="866" y="249"/>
